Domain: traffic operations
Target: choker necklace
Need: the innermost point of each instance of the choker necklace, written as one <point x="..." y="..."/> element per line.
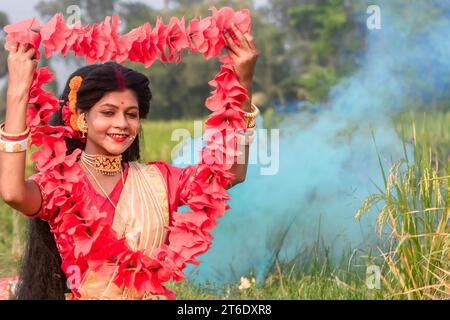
<point x="107" y="165"/>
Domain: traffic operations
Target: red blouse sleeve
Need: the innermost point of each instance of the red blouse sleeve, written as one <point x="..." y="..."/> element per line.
<point x="42" y="213"/>
<point x="178" y="182"/>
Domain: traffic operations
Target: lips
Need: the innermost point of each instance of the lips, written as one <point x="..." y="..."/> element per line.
<point x="118" y="137"/>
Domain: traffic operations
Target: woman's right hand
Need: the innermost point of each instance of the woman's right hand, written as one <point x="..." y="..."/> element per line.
<point x="22" y="63"/>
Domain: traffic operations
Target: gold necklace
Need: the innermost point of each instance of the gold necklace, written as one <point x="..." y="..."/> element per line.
<point x="99" y="185"/>
<point x="107" y="165"/>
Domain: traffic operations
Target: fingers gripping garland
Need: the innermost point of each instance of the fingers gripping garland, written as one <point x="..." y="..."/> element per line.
<point x="84" y="238"/>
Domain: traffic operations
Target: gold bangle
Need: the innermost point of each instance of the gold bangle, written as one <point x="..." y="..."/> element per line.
<point x="251" y="123"/>
<point x="252" y="114"/>
<point x="13" y="135"/>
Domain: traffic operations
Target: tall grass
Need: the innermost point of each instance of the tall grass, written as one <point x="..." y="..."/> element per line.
<point x="414" y="219"/>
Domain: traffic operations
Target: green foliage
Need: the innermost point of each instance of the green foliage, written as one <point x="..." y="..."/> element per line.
<point x="326" y="30"/>
<point x="3" y="53"/>
<point x="272" y="119"/>
<point x="315" y="83"/>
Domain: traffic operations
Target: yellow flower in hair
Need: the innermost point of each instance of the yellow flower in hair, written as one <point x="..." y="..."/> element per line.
<point x="74" y="85"/>
<point x="73" y="122"/>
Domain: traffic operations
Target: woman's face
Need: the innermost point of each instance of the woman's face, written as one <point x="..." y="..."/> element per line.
<point x="113" y="123"/>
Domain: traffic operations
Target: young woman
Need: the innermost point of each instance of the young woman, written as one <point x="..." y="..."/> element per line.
<point x="108" y="102"/>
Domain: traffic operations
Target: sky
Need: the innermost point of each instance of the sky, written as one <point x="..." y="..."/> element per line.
<point x="26" y="9"/>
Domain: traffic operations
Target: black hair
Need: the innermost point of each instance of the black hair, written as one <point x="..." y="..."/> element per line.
<point x="41" y="276"/>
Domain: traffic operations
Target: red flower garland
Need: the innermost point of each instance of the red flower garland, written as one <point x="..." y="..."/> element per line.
<point x="82" y="236"/>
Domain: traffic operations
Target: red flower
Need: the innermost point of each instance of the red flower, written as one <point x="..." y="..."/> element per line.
<point x="81" y="43"/>
<point x="123" y="44"/>
<point x="71" y="39"/>
<point x="143" y="45"/>
<point x="52" y="154"/>
<point x="134" y="272"/>
<point x="159" y="36"/>
<point x="186" y="235"/>
<point x="39" y="134"/>
<point x="226" y="16"/>
<point x="89" y="236"/>
<point x="54" y="35"/>
<point x="196" y="31"/>
<point x="22" y="32"/>
<point x="44" y="103"/>
<point x="97" y="44"/>
<point x="177" y="40"/>
<point x="109" y="253"/>
<point x="227" y="119"/>
<point x="169" y="264"/>
<point x="206" y="36"/>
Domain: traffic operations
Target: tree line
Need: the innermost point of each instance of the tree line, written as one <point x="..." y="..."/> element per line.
<point x="305" y="48"/>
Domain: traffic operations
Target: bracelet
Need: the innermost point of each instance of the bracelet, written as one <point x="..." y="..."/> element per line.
<point x="249" y="117"/>
<point x="13" y="139"/>
<point x="13" y="135"/>
<point x="250" y="122"/>
<point x="252" y="114"/>
<point x="13" y="146"/>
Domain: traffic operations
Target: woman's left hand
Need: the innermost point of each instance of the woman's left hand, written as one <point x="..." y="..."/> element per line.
<point x="244" y="55"/>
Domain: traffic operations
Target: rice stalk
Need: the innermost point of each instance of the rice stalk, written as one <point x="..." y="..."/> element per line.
<point x="415" y="213"/>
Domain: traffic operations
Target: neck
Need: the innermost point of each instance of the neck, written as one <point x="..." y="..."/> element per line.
<point x="102" y="164"/>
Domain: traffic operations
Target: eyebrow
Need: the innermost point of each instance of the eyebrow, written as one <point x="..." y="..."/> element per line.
<point x="116" y="107"/>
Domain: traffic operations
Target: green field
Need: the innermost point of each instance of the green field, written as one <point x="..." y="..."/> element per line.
<point x="313" y="276"/>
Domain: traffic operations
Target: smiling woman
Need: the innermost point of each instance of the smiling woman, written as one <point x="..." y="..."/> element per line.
<point x="103" y="225"/>
<point x="109" y="101"/>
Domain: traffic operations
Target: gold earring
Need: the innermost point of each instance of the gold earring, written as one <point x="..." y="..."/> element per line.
<point x="82" y="124"/>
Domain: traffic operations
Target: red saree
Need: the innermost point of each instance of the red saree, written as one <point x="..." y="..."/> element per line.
<point x="152" y="192"/>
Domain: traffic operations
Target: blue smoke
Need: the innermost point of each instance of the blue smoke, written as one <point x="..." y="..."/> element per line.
<point x="328" y="163"/>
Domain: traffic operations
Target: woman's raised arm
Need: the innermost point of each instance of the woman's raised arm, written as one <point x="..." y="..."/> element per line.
<point x="244" y="54"/>
<point x="23" y="195"/>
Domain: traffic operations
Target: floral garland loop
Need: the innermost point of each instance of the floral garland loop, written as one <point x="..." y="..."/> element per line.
<point x="84" y="239"/>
